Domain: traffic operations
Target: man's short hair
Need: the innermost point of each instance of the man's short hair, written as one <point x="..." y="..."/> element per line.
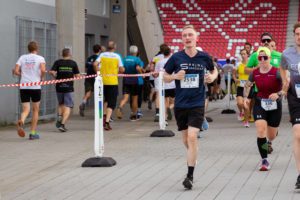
<point x="296" y="25"/>
<point x="248" y="43"/>
<point x="66" y="52"/>
<point x="133" y="49"/>
<point x="96" y="48"/>
<point x="167" y="51"/>
<point x="32" y="46"/>
<point x="189" y="26"/>
<point x="111" y="45"/>
<point x="163" y="47"/>
<point x="266" y="34"/>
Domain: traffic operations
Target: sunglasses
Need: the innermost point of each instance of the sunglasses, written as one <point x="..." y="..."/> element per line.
<point x="263" y="58"/>
<point x="266" y="40"/>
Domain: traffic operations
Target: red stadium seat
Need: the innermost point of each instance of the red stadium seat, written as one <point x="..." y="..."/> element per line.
<point x="225" y="25"/>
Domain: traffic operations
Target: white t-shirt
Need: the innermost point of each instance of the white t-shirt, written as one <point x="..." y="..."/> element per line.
<point x="158" y="67"/>
<point x="155" y="61"/>
<point x="30" y="69"/>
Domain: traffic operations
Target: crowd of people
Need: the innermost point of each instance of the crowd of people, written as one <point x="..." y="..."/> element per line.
<point x="260" y="77"/>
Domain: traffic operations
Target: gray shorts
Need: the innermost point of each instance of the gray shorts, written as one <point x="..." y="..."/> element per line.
<point x="65" y="99"/>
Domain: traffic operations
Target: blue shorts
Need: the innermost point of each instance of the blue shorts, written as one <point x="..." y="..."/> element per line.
<point x="65" y="99"/>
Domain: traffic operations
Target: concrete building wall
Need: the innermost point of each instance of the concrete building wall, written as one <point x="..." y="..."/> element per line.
<point x="9" y="10"/>
<point x="150" y="25"/>
<point x="97" y="22"/>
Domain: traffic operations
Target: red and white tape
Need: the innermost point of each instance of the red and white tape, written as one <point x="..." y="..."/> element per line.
<point x="50" y="82"/>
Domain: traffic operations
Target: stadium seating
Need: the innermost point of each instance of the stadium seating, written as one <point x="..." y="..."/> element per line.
<point x="224" y="26"/>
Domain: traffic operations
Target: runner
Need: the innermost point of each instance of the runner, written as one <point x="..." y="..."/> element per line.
<point x="62" y="69"/>
<point x="267" y="108"/>
<point x="189" y="68"/>
<point x="31" y="68"/>
<point x="89" y="82"/>
<point x="109" y="63"/>
<point x="240" y="77"/>
<point x="290" y="63"/>
<point x="169" y="87"/>
<point x="133" y="65"/>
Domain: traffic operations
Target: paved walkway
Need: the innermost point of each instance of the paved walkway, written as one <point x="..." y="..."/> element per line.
<point x="147" y="168"/>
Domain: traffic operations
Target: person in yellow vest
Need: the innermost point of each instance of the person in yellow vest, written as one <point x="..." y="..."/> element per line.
<point x="109" y="63"/>
<point x="240" y="78"/>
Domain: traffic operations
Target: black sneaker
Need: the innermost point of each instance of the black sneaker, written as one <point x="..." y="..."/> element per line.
<point x="58" y="123"/>
<point x="270" y="148"/>
<point x="188" y="183"/>
<point x="133" y="118"/>
<point x="107" y="126"/>
<point x="297" y="185"/>
<point x="81" y="110"/>
<point x="209" y="119"/>
<point x="62" y="128"/>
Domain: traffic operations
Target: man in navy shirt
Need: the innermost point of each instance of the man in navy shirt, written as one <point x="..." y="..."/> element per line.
<point x="188" y="68"/>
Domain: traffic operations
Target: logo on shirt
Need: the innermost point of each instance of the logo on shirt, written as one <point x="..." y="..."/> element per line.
<point x="192" y="66"/>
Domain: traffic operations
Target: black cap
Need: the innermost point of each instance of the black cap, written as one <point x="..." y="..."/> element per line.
<point x="266" y="33"/>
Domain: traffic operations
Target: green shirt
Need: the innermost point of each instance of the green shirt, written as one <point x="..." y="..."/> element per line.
<point x="275" y="59"/>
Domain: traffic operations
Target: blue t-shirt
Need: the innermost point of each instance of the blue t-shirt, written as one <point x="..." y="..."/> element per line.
<point x="190" y="92"/>
<point x="130" y="63"/>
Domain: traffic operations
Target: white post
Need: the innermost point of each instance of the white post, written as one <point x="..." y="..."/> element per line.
<point x="161" y="91"/>
<point x="98" y="101"/>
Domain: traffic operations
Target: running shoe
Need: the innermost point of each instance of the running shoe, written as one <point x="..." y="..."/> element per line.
<point x="81" y="109"/>
<point x="111" y="119"/>
<point x="133" y="118"/>
<point x="265" y="166"/>
<point x="297" y="185"/>
<point x="62" y="128"/>
<point x="20" y="128"/>
<point x="156" y="117"/>
<point x="246" y="124"/>
<point x="205" y="124"/>
<point x="58" y="123"/>
<point x="270" y="148"/>
<point x="139" y="115"/>
<point x="34" y="136"/>
<point x="107" y="127"/>
<point x="240" y="117"/>
<point x="188" y="183"/>
<point x="169" y="112"/>
<point x="209" y="119"/>
<point x="119" y="113"/>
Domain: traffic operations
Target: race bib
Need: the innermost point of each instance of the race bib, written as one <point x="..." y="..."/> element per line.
<point x="190" y="81"/>
<point x="297" y="88"/>
<point x="242" y="83"/>
<point x="268" y="104"/>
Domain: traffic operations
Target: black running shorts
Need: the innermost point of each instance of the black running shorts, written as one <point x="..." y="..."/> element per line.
<point x="186" y="117"/>
<point x="240" y="91"/>
<point x="28" y="94"/>
<point x="272" y="117"/>
<point x="131" y="89"/>
<point x="170" y="93"/>
<point x="294" y="108"/>
<point x="110" y="95"/>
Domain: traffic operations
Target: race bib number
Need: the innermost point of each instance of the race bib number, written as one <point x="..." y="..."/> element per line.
<point x="268" y="104"/>
<point x="242" y="83"/>
<point x="190" y="81"/>
<point x="297" y="88"/>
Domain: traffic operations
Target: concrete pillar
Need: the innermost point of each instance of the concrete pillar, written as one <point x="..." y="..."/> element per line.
<point x="71" y="33"/>
<point x="118" y="21"/>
